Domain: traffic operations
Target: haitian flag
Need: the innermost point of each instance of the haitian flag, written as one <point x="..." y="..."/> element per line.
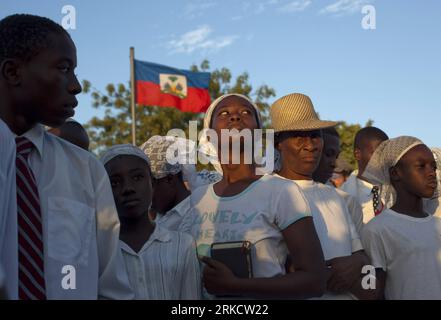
<point x="158" y="85"/>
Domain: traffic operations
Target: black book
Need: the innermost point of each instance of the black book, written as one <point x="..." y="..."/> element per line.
<point x="235" y="255"/>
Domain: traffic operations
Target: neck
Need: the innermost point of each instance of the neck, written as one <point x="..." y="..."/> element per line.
<point x="288" y="173"/>
<point x="237" y="172"/>
<point x="134" y="226"/>
<point x="409" y="204"/>
<point x="16" y="123"/>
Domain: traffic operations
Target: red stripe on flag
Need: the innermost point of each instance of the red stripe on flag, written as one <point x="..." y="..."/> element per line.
<point x="149" y="94"/>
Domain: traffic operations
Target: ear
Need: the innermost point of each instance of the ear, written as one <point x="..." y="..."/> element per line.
<point x="394" y="174"/>
<point x="10" y="71"/>
<point x="357" y="154"/>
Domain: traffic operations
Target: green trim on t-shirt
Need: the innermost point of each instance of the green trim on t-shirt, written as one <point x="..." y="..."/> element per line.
<point x="250" y="187"/>
<point x="294" y="220"/>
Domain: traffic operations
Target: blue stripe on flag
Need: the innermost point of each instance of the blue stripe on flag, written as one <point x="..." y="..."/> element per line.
<point x="148" y="71"/>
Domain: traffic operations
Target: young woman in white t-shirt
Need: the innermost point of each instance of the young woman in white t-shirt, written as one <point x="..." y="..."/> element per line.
<point x="267" y="211"/>
<point x="404" y="242"/>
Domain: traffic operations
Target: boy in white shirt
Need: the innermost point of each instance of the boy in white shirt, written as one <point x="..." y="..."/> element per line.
<point x="404" y="242"/>
<point x="365" y="143"/>
<point x="162" y="264"/>
<point x="65" y="217"/>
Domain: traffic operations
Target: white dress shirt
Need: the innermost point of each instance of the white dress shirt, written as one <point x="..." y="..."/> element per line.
<point x="362" y="191"/>
<point x="173" y="218"/>
<point x="8" y="207"/>
<point x="166" y="267"/>
<point x="80" y="223"/>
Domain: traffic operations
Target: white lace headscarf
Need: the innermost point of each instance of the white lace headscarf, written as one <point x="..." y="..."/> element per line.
<point x="386" y="156"/>
<point x="207" y="150"/>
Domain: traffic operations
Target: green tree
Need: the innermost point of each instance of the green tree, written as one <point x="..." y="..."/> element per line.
<point x="115" y="126"/>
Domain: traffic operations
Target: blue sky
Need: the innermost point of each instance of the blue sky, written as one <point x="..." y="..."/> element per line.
<point x="318" y="47"/>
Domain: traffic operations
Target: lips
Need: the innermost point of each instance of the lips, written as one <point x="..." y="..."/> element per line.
<point x="131" y="202"/>
<point x="432" y="185"/>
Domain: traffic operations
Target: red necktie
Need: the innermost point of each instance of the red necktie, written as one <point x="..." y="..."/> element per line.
<point x="30" y="235"/>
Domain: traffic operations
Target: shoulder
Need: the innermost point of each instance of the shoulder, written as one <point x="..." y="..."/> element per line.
<point x="378" y="224"/>
<point x="278" y="182"/>
<point x="70" y="152"/>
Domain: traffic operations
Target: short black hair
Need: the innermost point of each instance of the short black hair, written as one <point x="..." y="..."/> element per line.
<point x="368" y="134"/>
<point x="331" y="132"/>
<point x="22" y="36"/>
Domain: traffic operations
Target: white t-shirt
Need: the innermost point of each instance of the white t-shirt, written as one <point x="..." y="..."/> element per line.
<point x="354" y="208"/>
<point x="332" y="220"/>
<point x="258" y="214"/>
<point x="333" y="223"/>
<point x="362" y="191"/>
<point x="409" y="250"/>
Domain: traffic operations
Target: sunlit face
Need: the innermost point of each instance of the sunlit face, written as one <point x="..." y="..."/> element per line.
<point x="416" y="172"/>
<point x="131" y="185"/>
<point x="301" y="151"/>
<point x="234" y="113"/>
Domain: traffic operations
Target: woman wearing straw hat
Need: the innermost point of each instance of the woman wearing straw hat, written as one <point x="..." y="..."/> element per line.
<point x="298" y="140"/>
<point x="268" y="212"/>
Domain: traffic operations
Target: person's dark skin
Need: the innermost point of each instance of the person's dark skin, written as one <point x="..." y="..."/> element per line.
<point x="330" y="153"/>
<point x="168" y="193"/>
<point x="300" y="157"/>
<point x="132" y="190"/>
<point x="413" y="178"/>
<point x="364" y="153"/>
<point x="41" y="90"/>
<point x="309" y="279"/>
<point x="72" y="132"/>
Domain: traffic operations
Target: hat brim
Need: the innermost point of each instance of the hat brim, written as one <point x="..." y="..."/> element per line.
<point x="306" y="125"/>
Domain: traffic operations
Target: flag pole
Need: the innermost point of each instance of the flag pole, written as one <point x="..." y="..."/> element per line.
<point x="132" y="99"/>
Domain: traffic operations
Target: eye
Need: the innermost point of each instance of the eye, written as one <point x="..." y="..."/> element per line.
<point x="246" y="111"/>
<point x="138" y="177"/>
<point x="223" y="113"/>
<point x="114" y="184"/>
<point x="64" y="68"/>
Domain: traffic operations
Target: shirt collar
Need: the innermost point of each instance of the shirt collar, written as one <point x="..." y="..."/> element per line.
<point x="36" y="136"/>
<point x="159" y="234"/>
<point x="181" y="208"/>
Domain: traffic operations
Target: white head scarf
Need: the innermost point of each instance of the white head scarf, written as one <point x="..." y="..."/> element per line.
<point x="386" y="156"/>
<point x="123" y="150"/>
<point x="168" y="155"/>
<point x="207" y="150"/>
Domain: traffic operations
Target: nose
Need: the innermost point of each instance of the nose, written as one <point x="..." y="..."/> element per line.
<point x="127" y="188"/>
<point x="309" y="144"/>
<point x="75" y="86"/>
<point x="235" y="116"/>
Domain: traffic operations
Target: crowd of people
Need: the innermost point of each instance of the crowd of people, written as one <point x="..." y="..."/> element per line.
<point x="133" y="225"/>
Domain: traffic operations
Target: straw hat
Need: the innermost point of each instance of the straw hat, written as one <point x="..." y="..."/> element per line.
<point x="295" y="112"/>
